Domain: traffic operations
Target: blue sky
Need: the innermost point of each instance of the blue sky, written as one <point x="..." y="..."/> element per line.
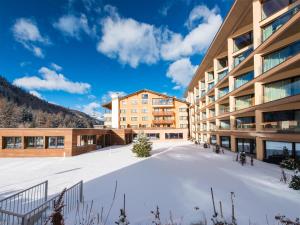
<point x="77" y="52"/>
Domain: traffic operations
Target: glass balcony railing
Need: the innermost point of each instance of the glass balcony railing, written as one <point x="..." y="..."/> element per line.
<point x="244" y="102"/>
<point x="269" y="29"/>
<point x="222" y="74"/>
<point x="211" y="99"/>
<point x="243" y="79"/>
<point x="202" y="93"/>
<point x="246" y="126"/>
<point x="241" y="57"/>
<point x="224" y="110"/>
<point x="210" y="86"/>
<point x="224" y="127"/>
<point x="283" y="126"/>
<point x="223" y="92"/>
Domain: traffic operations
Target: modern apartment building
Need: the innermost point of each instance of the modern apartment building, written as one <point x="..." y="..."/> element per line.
<point x="245" y="94"/>
<point x="160" y="116"/>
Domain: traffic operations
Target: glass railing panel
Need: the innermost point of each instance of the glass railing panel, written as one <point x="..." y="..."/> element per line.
<point x="222" y="74"/>
<point x="243" y="79"/>
<point x="241" y="57"/>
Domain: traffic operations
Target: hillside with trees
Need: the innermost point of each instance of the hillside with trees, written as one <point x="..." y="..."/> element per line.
<point x="19" y="108"/>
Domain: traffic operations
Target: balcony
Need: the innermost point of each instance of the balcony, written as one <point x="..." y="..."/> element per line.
<point x="222" y="92"/>
<point x="167" y="102"/>
<point x="269" y="29"/>
<point x="290" y="126"/>
<point x="241" y="57"/>
<point x="163" y="121"/>
<point x="243" y="79"/>
<point x="210" y="86"/>
<point x="163" y="113"/>
<point x="227" y="127"/>
<point x="224" y="109"/>
<point x="244" y="102"/>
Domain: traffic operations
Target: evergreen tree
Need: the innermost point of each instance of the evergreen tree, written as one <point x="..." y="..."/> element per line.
<point x="295" y="181"/>
<point x="143" y="146"/>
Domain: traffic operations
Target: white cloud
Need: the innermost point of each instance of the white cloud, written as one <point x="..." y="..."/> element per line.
<point x="91" y="96"/>
<point x="36" y="94"/>
<point x="107" y="97"/>
<point x="92" y="109"/>
<point x="27" y="33"/>
<point x="177" y="87"/>
<point x="129" y="41"/>
<point x="181" y="72"/>
<point x="73" y="26"/>
<point x="56" y="67"/>
<point x="51" y="80"/>
<point x="198" y="39"/>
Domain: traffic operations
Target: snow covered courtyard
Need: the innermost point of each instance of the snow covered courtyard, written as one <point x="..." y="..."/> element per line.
<point x="177" y="178"/>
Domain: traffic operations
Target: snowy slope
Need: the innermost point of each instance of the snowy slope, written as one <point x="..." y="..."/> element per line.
<point x="177" y="179"/>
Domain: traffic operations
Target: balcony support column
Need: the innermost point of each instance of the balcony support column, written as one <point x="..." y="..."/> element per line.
<point x="259" y="148"/>
<point x="233" y="143"/>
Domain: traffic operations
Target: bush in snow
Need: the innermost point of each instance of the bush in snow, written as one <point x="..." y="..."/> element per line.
<point x="289" y="164"/>
<point x="143" y="146"/>
<point x="295" y="181"/>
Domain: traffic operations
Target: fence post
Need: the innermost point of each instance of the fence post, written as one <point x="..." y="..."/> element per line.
<point x="81" y="191"/>
<point x="46" y="190"/>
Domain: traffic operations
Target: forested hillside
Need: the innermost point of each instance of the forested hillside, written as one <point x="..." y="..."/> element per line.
<point x="18" y="108"/>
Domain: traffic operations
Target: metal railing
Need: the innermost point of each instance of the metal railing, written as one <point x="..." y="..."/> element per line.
<point x="38" y="214"/>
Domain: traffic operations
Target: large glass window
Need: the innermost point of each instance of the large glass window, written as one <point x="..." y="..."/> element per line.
<point x="282" y="120"/>
<point x="275" y="150"/>
<point x="281" y="89"/>
<point x="210" y="85"/>
<point x="12" y="142"/>
<point x="242" y="41"/>
<point x="270" y="7"/>
<point x="225" y="142"/>
<point x="243" y="79"/>
<point x="246" y="145"/>
<point x="269" y="29"/>
<point x="275" y="58"/>
<point x="213" y="139"/>
<point x="86" y="140"/>
<point x="153" y="136"/>
<point x="210" y="76"/>
<point x="244" y="102"/>
<point x="56" y="142"/>
<point x="241" y="57"/>
<point x="35" y="142"/>
<point x="225" y="124"/>
<point x="222" y="63"/>
<point x="174" y="135"/>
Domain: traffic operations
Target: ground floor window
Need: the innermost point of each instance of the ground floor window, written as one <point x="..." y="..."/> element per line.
<point x="153" y="136"/>
<point x="213" y="139"/>
<point x="56" y="142"/>
<point x="225" y="142"/>
<point x="86" y="140"/>
<point x="12" y="142"/>
<point x="35" y="142"/>
<point x="246" y="145"/>
<point x="275" y="151"/>
<point x="174" y="135"/>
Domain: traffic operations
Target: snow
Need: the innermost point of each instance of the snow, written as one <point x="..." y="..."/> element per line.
<point x="177" y="178"/>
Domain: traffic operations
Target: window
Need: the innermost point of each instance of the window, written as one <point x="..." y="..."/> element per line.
<point x="134" y="102"/>
<point x="225" y="142"/>
<point x="123" y="126"/>
<point x="276" y="151"/>
<point x="123" y="102"/>
<point x="134" y="126"/>
<point x="153" y="136"/>
<point x="56" y="142"/>
<point x="183" y="118"/>
<point x="144" y="101"/>
<point x="144" y="96"/>
<point x="210" y="85"/>
<point x="222" y="63"/>
<point x="91" y="139"/>
<point x="122" y="110"/>
<point x="144" y="118"/>
<point x="245" y="122"/>
<point x="271" y="28"/>
<point x="144" y="110"/>
<point x="183" y="126"/>
<point x="243" y="79"/>
<point x="241" y="57"/>
<point x="275" y="58"/>
<point x="270" y="7"/>
<point x="84" y="140"/>
<point x="133" y="110"/>
<point x="173" y="135"/>
<point x="246" y="145"/>
<point x="242" y="41"/>
<point x="182" y="109"/>
<point x="281" y="89"/>
<point x="35" y="142"/>
<point x="225" y="124"/>
<point x="133" y="118"/>
<point x="12" y="142"/>
<point x="210" y="76"/>
<point x="122" y="118"/>
<point x="288" y="120"/>
<point x="213" y="139"/>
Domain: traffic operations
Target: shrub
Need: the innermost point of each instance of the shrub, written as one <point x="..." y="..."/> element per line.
<point x="289" y="164"/>
<point x="143" y="146"/>
<point x="295" y="181"/>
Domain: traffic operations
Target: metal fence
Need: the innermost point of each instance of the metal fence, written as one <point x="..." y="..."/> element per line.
<point x="40" y="209"/>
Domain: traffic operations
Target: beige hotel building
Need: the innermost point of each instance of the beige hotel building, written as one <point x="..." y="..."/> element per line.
<point x="159" y="116"/>
<point x="245" y="94"/>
